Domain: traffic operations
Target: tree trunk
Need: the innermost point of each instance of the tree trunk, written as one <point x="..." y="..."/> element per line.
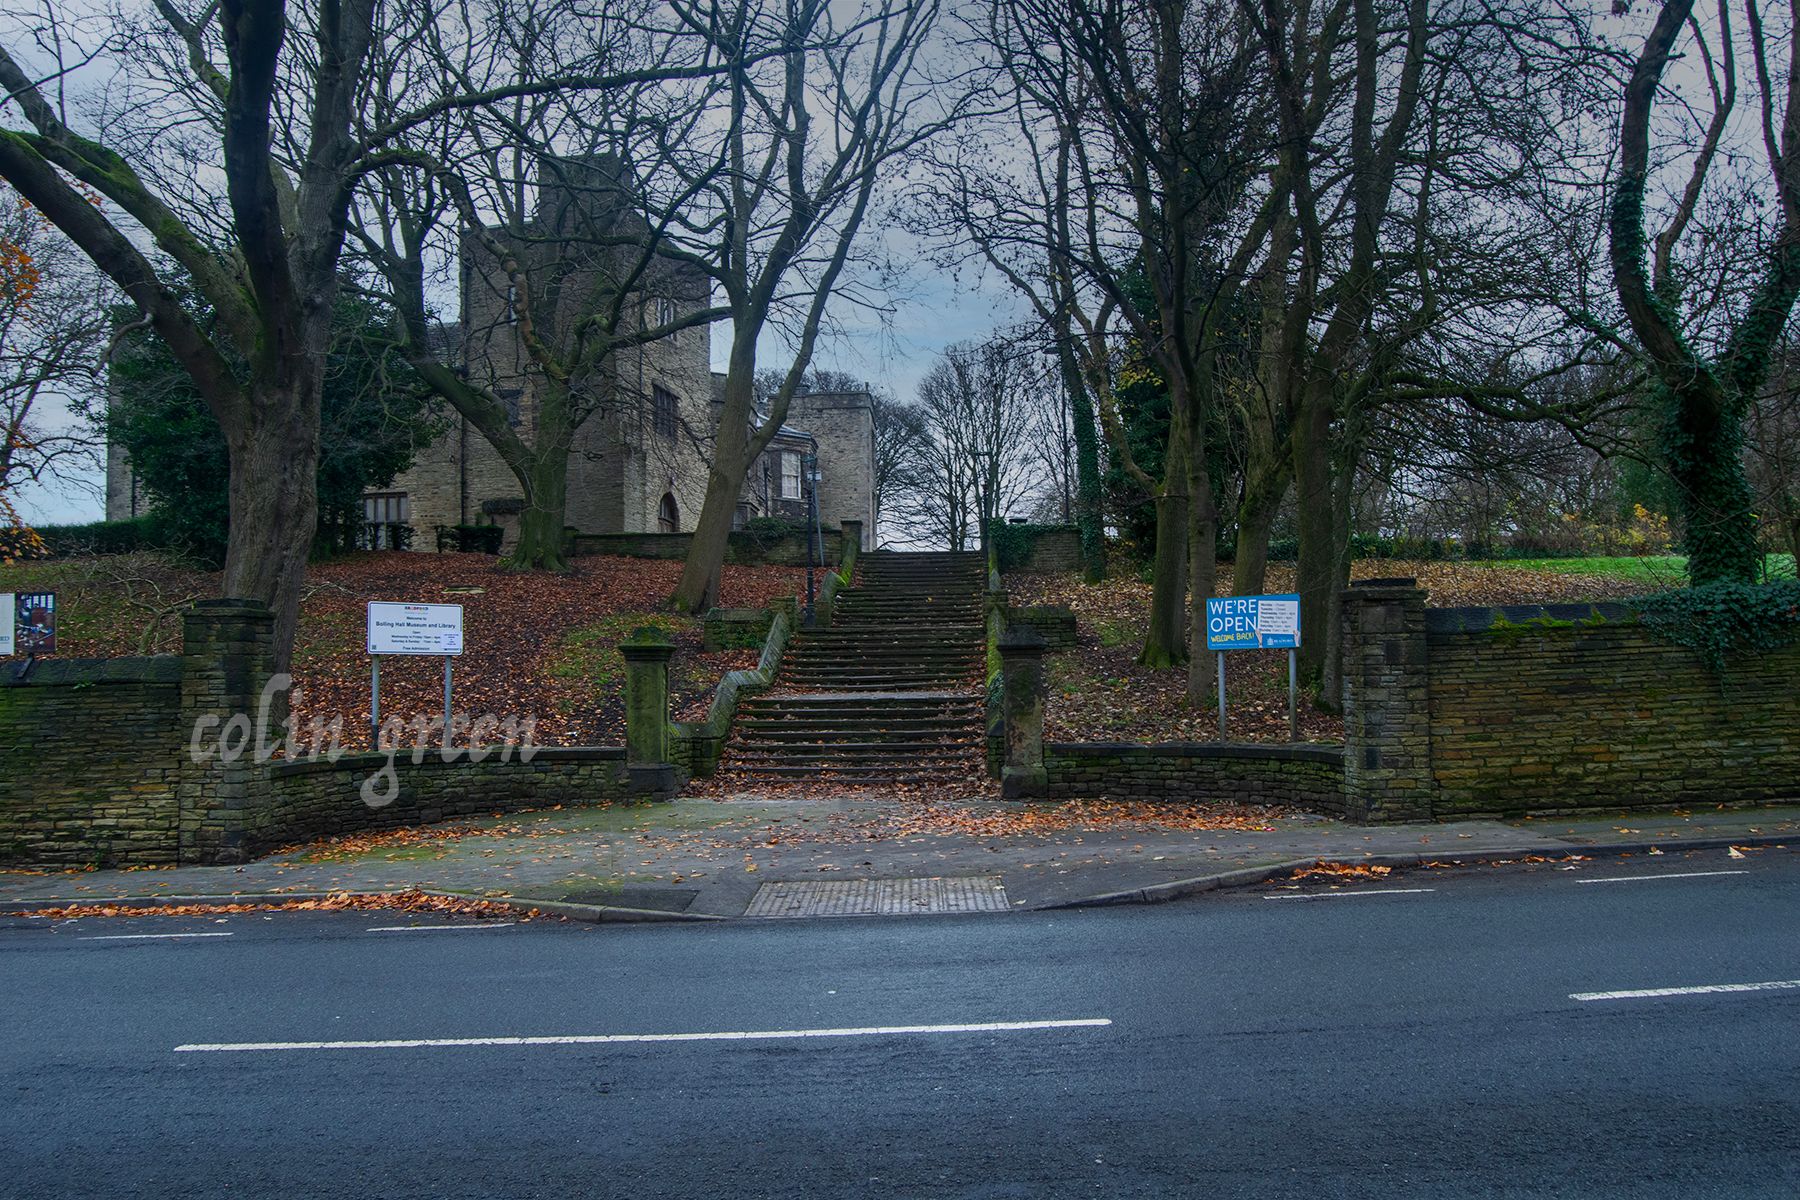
<point x="1263" y="492"/>
<point x="1703" y="439"/>
<point x="1203" y="581"/>
<point x="1089" y="515"/>
<point x="700" y="577"/>
<point x="541" y="545"/>
<point x="1794" y="542"/>
<point x="1331" y="672"/>
<point x="734" y="446"/>
<point x="543" y="474"/>
<point x="273" y="490"/>
<point x="1315" y="569"/>
<point x="1164" y="644"/>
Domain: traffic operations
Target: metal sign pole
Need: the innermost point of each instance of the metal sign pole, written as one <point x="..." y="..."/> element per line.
<point x="1221" y="695"/>
<point x="374" y="701"/>
<point x="447" y="730"/>
<point x="1293" y="712"/>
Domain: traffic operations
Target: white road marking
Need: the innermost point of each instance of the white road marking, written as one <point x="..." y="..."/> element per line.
<point x="604" y="1039"/>
<point x="1777" y="985"/>
<point x="139" y="937"/>
<point x="434" y="928"/>
<point x="1669" y="875"/>
<point x="1359" y="892"/>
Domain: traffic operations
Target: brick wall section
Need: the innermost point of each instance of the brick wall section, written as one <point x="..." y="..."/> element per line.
<point x="1304" y="776"/>
<point x="1539" y="709"/>
<point x="90" y="752"/>
<point x="311" y="800"/>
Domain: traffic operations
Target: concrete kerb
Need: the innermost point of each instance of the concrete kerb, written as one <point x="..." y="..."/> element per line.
<point x="1162" y="893"/>
<point x="593" y="913"/>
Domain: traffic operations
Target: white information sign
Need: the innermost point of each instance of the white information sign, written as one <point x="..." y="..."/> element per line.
<point x="415" y="628"/>
<point x="1280" y="618"/>
<point x="9" y="613"/>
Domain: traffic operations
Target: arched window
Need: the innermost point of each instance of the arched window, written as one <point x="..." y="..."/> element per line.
<point x="668" y="516"/>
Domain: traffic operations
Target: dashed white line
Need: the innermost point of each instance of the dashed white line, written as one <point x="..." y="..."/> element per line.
<point x="144" y="937"/>
<point x="434" y="928"/>
<point x="1359" y="892"/>
<point x="1710" y="989"/>
<point x="1668" y="875"/>
<point x="605" y="1039"/>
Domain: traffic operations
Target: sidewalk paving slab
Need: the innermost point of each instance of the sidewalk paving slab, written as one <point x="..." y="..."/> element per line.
<point x="699" y="859"/>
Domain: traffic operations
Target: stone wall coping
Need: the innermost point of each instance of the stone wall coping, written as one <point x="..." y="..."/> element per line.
<point x="1479" y="618"/>
<point x="433" y="757"/>
<point x="74" y="672"/>
<point x="1311" y="752"/>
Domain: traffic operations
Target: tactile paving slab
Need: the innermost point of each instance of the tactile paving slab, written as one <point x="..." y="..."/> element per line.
<point x="879" y="897"/>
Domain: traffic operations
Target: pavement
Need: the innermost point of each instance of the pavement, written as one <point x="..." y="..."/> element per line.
<point x="1581" y="1030"/>
<point x="709" y="859"/>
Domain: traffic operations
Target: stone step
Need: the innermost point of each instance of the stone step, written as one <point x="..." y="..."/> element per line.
<point x="845" y="771"/>
<point x="853" y="751"/>
<point x="961" y="736"/>
<point x="889" y="692"/>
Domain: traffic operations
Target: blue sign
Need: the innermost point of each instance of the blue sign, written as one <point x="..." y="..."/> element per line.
<point x="1253" y="623"/>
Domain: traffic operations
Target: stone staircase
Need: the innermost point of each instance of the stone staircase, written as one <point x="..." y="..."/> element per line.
<point x="891" y="693"/>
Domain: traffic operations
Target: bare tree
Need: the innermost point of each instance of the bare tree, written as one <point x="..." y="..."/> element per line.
<point x="809" y="136"/>
<point x="53" y="324"/>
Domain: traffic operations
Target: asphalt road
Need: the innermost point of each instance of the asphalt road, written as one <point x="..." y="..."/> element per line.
<point x="1377" y="1041"/>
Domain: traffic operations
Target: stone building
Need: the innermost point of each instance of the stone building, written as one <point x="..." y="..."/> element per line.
<point x="639" y="463"/>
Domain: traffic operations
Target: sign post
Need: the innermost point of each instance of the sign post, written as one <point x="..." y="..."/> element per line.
<point x="434" y="629"/>
<point x="8" y="609"/>
<point x="1256" y="623"/>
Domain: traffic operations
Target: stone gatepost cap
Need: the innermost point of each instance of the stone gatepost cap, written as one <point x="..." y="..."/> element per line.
<point x="1402" y="588"/>
<point x="649" y="643"/>
<point x="231" y="604"/>
<point x="1022" y="639"/>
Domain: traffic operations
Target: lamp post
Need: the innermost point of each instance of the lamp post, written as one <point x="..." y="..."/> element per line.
<point x="809" y="482"/>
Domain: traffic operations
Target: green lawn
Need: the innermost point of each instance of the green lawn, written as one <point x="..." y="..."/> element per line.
<point x="1670" y="569"/>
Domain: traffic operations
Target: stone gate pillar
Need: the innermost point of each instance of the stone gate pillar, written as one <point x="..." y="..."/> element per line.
<point x="227" y="716"/>
<point x="1022" y="713"/>
<point x="1387" y="703"/>
<point x="647" y="652"/>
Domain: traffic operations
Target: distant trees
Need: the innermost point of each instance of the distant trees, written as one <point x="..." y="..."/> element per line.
<point x="53" y="326"/>
<point x="979" y="406"/>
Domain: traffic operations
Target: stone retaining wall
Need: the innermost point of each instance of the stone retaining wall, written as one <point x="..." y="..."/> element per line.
<point x="744" y="548"/>
<point x="1566" y="707"/>
<point x="1463" y="712"/>
<point x="1305" y="776"/>
<point x="310" y="800"/>
<point x="90" y="758"/>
